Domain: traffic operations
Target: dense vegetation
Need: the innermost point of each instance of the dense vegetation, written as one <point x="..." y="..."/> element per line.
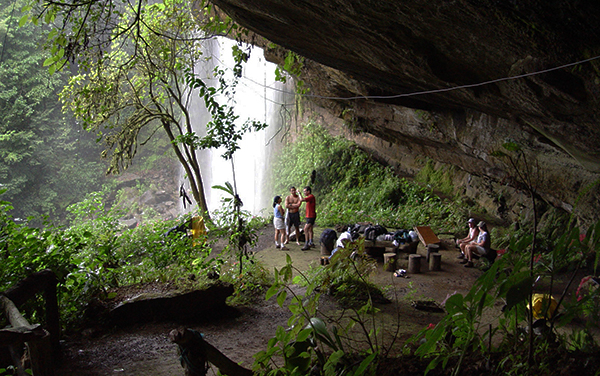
<point x="47" y="161"/>
<point x="95" y="254"/>
<point x="350" y="187"/>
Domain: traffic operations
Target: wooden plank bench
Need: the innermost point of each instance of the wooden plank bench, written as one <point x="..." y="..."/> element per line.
<point x="377" y="248"/>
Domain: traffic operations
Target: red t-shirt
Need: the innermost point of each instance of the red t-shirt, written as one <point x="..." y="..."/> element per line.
<point x="310" y="206"/>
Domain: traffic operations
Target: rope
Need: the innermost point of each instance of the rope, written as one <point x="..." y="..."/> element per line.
<point x="435" y="91"/>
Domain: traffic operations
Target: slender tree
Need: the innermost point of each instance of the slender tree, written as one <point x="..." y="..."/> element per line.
<point x="137" y="75"/>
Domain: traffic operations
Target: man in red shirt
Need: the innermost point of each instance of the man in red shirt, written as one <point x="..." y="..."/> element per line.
<point x="311" y="215"/>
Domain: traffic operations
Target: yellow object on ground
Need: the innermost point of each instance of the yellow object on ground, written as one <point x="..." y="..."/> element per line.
<point x="198" y="228"/>
<point x="541" y="303"/>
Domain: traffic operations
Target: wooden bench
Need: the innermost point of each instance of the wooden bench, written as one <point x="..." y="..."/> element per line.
<point x="377" y="248"/>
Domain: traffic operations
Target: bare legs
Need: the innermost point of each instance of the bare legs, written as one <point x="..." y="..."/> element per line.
<point x="280" y="234"/>
<point x="469" y="249"/>
<point x="308" y="233"/>
<point x="287" y="236"/>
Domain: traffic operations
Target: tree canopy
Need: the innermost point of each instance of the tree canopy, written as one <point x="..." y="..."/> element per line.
<point x="137" y="72"/>
<point x="47" y="161"/>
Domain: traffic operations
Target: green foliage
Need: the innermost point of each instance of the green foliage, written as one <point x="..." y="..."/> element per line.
<point x="46" y="161"/>
<point x="249" y="285"/>
<point x="464" y="330"/>
<point x="222" y="131"/>
<point x="96" y="254"/>
<point x="137" y="74"/>
<point x="308" y="342"/>
<point x="350" y="187"/>
<point x="239" y="225"/>
<point x="241" y="228"/>
<point x="292" y="65"/>
<point x="346" y="279"/>
<point x="440" y="179"/>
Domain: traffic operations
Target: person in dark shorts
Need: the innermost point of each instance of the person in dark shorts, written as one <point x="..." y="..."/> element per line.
<point x="311" y="216"/>
<point x="292" y="204"/>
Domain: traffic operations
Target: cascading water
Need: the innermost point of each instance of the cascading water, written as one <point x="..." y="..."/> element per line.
<point x="258" y="97"/>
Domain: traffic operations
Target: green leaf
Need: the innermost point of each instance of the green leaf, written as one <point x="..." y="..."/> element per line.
<point x="454" y="304"/>
<point x="281" y="298"/>
<point x="518" y="293"/>
<point x="271" y="291"/>
<point x="49" y="61"/>
<point x="365" y="364"/>
<point x="303" y="335"/>
<point x="23" y="20"/>
<point x="432" y="338"/>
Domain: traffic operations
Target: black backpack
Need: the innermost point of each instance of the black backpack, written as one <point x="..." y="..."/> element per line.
<point x="372" y="232"/>
<point x="328" y="238"/>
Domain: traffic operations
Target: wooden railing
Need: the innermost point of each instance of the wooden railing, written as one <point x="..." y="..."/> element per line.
<point x="42" y="344"/>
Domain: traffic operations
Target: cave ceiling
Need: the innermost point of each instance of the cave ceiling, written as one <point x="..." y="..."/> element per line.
<point x="505" y="69"/>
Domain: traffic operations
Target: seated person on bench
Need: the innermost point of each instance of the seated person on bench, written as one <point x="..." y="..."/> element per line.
<point x="473" y="233"/>
<point x="481" y="247"/>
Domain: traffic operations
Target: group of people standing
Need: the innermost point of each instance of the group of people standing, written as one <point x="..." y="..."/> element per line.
<point x="284" y="219"/>
<point x="477" y="243"/>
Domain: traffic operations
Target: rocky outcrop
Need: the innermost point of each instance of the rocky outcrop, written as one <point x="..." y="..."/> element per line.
<point x="452" y="81"/>
<point x="173" y="306"/>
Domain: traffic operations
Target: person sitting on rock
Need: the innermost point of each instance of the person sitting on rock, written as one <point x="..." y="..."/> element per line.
<point x="473" y="233"/>
<point x="481" y="247"/>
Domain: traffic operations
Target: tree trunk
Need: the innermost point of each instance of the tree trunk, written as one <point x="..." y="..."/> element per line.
<point x="195" y="352"/>
<point x="40" y="350"/>
<point x="45" y="281"/>
<point x="192" y="171"/>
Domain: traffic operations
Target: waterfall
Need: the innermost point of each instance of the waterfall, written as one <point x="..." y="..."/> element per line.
<point x="258" y="97"/>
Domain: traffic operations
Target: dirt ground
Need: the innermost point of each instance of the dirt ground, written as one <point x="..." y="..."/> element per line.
<point x="146" y="349"/>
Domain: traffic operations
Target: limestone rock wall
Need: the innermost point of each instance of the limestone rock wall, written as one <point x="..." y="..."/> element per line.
<point x="365" y="58"/>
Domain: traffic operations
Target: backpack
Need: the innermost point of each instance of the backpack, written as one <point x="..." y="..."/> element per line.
<point x="402" y="236"/>
<point x="359" y="228"/>
<point x="372" y="232"/>
<point x="328" y="238"/>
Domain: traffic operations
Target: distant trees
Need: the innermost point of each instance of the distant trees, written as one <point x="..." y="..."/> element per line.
<point x="47" y="161"/>
<point x="136" y="74"/>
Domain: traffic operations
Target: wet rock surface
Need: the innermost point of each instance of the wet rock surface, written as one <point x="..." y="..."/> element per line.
<point x="367" y="57"/>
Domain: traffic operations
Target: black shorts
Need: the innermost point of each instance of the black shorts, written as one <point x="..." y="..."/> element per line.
<point x="310" y="221"/>
<point x="294" y="219"/>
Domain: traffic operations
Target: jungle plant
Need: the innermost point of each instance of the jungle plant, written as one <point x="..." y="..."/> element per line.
<point x="308" y="341"/>
<point x="440" y="179"/>
<point x="234" y="223"/>
<point x="249" y="285"/>
<point x="351" y="187"/>
<point x="462" y="331"/>
<point x="292" y="65"/>
<point x="96" y="254"/>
